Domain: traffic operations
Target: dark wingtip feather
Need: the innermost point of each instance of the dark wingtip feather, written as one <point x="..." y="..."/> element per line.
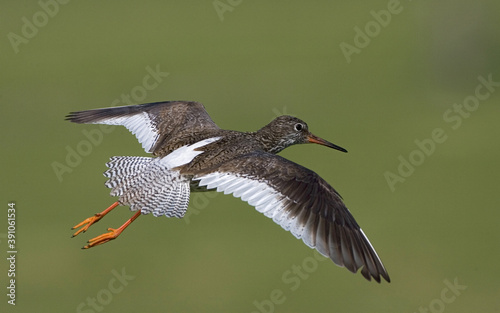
<point x="94" y="115"/>
<point x="386" y="276"/>
<point x="82" y="117"/>
<point x="72" y="117"/>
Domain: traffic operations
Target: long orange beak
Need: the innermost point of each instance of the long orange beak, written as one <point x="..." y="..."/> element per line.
<point x="315" y="139"/>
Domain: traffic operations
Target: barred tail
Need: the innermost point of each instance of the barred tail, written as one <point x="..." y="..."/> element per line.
<point x="146" y="184"/>
<point x="123" y="173"/>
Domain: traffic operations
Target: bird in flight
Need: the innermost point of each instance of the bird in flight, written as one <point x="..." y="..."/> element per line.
<point x="192" y="154"/>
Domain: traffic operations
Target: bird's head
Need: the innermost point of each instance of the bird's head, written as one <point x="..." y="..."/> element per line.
<point x="286" y="130"/>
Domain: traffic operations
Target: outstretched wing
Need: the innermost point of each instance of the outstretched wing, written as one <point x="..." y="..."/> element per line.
<point x="154" y="124"/>
<point x="301" y="202"/>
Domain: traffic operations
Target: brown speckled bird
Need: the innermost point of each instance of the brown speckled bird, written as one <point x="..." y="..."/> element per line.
<point x="193" y="154"/>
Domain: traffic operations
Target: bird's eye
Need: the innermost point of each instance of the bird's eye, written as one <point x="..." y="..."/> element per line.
<point x="298" y="127"/>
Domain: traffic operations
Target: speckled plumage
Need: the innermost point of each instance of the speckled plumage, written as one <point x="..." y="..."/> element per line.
<point x="193" y="153"/>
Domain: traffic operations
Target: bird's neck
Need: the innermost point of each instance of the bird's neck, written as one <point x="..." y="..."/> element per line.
<point x="268" y="141"/>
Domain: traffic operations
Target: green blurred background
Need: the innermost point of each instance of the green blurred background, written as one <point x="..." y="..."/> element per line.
<point x="248" y="63"/>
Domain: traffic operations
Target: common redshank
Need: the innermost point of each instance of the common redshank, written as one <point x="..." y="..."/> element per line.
<point x="191" y="153"/>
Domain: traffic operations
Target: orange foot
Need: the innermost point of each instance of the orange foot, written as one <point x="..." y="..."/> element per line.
<point x="113" y="233"/>
<point x="93" y="219"/>
<point x="99" y="240"/>
<point x="89" y="221"/>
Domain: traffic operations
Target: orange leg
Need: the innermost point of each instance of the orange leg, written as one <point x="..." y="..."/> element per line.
<point x="113" y="233"/>
<point x="93" y="219"/>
